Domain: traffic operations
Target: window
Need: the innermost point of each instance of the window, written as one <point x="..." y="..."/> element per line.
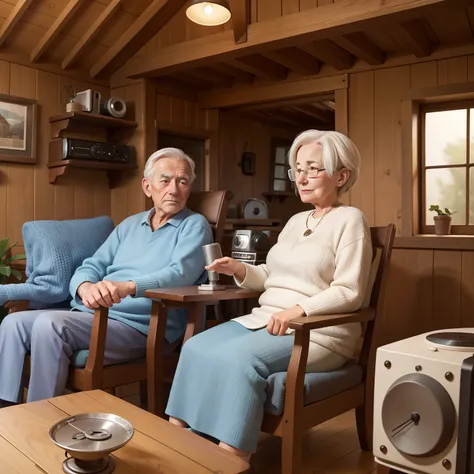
<point x="279" y="180"/>
<point x="447" y="164"/>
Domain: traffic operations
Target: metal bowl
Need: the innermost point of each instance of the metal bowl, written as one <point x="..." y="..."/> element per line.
<point x="91" y="436"/>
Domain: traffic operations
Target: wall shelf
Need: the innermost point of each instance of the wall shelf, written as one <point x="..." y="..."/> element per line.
<point x="118" y="129"/>
<point x="281" y="195"/>
<point x="114" y="170"/>
<point x="89" y="127"/>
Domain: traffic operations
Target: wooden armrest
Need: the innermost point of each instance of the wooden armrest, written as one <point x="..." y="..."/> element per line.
<point x="14" y="306"/>
<point x="316" y="322"/>
<point x="95" y="360"/>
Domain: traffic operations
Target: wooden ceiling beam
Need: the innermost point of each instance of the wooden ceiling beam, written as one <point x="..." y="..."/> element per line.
<point x="330" y="53"/>
<point x="342" y="17"/>
<point x="273" y="92"/>
<point x="363" y="48"/>
<point x="234" y="72"/>
<point x="15" y="16"/>
<point x="261" y="67"/>
<point x="285" y="103"/>
<point x="145" y="27"/>
<point x="56" y="28"/>
<point x="208" y="74"/>
<point x="414" y="36"/>
<point x="90" y="34"/>
<point x="320" y="115"/>
<point x="296" y="60"/>
<point x="240" y="19"/>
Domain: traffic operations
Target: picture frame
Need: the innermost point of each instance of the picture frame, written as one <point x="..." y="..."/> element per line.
<point x="18" y="129"/>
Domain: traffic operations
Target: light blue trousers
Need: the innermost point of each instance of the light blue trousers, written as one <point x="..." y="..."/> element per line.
<point x="219" y="386"/>
<point x="51" y="337"/>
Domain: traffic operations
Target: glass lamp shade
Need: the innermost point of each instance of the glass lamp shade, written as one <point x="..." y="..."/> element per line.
<point x="215" y="12"/>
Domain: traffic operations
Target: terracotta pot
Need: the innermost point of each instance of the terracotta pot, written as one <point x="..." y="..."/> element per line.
<point x="442" y="225"/>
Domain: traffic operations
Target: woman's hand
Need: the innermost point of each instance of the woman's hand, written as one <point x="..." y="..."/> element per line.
<point x="280" y="321"/>
<point x="228" y="266"/>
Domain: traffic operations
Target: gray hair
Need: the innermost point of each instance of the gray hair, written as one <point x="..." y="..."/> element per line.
<point x="168" y="153"/>
<point x="339" y="152"/>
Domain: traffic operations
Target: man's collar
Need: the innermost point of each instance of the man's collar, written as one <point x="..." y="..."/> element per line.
<point x="175" y="221"/>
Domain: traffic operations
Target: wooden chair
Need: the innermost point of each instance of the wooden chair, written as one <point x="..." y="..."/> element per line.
<point x="355" y="392"/>
<point x="213" y="206"/>
<point x="299" y="416"/>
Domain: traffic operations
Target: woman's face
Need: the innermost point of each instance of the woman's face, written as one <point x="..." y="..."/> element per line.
<point x="315" y="186"/>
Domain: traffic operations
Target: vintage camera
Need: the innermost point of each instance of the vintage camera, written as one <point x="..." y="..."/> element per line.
<point x="251" y="246"/>
<point x="114" y="107"/>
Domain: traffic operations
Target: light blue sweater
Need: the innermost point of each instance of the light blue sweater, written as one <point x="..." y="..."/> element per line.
<point x="168" y="257"/>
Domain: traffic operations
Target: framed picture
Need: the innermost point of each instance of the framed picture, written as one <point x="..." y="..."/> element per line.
<point x="18" y="128"/>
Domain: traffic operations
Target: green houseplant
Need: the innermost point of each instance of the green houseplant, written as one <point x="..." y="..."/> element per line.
<point x="6" y="271"/>
<point x="442" y="220"/>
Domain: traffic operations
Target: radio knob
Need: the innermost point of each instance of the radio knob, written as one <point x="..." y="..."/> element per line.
<point x="237" y="241"/>
<point x="96" y="151"/>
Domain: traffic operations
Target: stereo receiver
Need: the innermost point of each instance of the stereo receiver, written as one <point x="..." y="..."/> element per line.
<point x="78" y="149"/>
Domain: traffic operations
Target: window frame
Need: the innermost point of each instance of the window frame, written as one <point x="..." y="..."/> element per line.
<point x="279" y="143"/>
<point x="466" y="104"/>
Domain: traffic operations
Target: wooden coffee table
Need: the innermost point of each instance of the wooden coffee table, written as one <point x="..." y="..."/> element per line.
<point x="156" y="447"/>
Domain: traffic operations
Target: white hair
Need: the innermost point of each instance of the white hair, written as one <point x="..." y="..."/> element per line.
<point x="168" y="153"/>
<point x="338" y="152"/>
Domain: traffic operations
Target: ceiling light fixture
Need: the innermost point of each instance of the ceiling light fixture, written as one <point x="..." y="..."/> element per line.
<point x="213" y="13"/>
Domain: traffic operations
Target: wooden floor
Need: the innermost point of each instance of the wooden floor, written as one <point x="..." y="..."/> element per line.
<point x="330" y="448"/>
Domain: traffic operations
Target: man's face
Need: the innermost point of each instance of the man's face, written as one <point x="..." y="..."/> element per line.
<point x="169" y="186"/>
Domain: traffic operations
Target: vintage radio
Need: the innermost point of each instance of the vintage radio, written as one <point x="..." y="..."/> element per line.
<point x="423" y="403"/>
<point x="78" y="149"/>
<point x="250" y="246"/>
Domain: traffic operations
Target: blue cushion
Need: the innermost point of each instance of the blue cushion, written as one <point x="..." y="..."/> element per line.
<point x="317" y="386"/>
<point x="54" y="249"/>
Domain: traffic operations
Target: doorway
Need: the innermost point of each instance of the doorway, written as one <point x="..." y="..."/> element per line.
<point x="195" y="148"/>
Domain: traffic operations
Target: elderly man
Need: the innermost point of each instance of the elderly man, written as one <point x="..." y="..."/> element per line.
<point x="154" y="249"/>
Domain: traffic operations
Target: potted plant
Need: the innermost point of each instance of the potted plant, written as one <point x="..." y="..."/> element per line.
<point x="6" y="271"/>
<point x="442" y="220"/>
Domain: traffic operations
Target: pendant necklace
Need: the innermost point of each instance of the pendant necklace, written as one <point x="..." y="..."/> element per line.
<point x="309" y="231"/>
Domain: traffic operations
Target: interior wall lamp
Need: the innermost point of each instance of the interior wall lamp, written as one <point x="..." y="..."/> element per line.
<point x="213" y="13"/>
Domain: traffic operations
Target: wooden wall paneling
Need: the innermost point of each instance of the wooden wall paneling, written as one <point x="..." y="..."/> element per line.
<point x="290" y="6"/>
<point x="457" y="70"/>
<point x="470" y="68"/>
<point x="447" y="278"/>
<point x="269" y="9"/>
<point x="178" y="111"/>
<point x="128" y="198"/>
<point x="4" y="166"/>
<point x="424" y="74"/>
<point x="341" y="99"/>
<point x="408" y="302"/>
<point x="20" y="187"/>
<point x="467" y="289"/>
<point x="48" y="100"/>
<point x="390" y="87"/>
<point x="361" y="131"/>
<point x="81" y="192"/>
<point x="163" y="108"/>
<point x="308" y="4"/>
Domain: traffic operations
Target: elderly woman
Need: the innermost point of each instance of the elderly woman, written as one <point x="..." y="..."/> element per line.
<point x="320" y="265"/>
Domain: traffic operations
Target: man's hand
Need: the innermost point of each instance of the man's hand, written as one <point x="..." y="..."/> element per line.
<point x="104" y="293"/>
<point x="279" y="322"/>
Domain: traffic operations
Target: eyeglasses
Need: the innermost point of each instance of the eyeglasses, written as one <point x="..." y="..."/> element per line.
<point x="310" y="172"/>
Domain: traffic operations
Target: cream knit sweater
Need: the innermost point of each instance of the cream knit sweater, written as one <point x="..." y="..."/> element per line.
<point x="325" y="273"/>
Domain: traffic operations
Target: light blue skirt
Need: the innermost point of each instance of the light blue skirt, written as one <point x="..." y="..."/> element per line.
<point x="219" y="386"/>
